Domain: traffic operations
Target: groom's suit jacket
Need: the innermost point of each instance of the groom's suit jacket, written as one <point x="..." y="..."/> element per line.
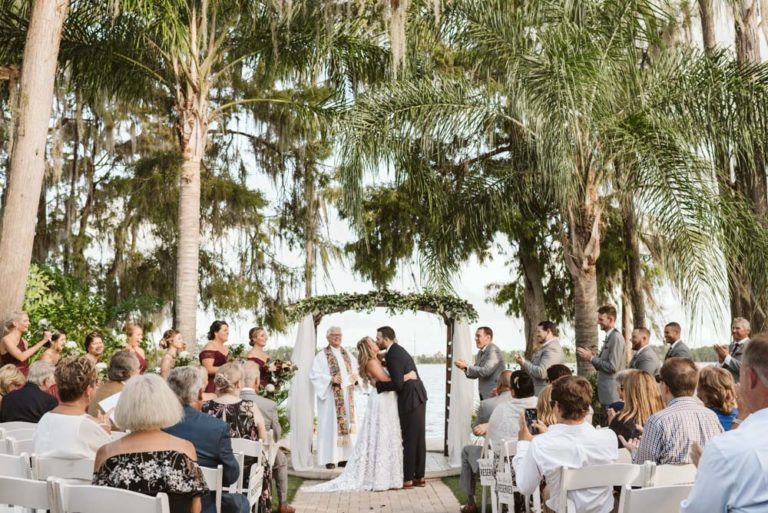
<point x="410" y="394"/>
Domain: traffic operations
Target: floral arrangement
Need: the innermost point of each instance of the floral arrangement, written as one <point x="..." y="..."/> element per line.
<point x="184" y="359"/>
<point x="101" y="371"/>
<point x="72" y="348"/>
<point x="236" y="352"/>
<point x="280" y="373"/>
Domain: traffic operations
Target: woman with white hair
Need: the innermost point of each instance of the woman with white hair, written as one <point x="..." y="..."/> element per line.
<point x="13" y="347"/>
<point x="148" y="460"/>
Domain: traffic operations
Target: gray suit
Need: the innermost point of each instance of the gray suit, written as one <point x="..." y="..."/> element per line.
<point x="488" y="405"/>
<point x="489" y="363"/>
<point x="734" y="362"/>
<point x="679" y="350"/>
<point x="646" y="360"/>
<point x="268" y="409"/>
<point x="550" y="354"/>
<point x="610" y="361"/>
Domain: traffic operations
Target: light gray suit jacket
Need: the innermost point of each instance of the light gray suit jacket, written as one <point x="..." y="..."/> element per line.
<point x="646" y="360"/>
<point x="488" y="365"/>
<point x="488" y="405"/>
<point x="610" y="361"/>
<point x="734" y="363"/>
<point x="679" y="351"/>
<point x="268" y="409"/>
<point x="550" y="354"/>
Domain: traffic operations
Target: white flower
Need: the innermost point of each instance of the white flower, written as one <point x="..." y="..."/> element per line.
<point x="122" y="339"/>
<point x="270" y="388"/>
<point x="101" y="366"/>
<point x="184" y="354"/>
<point x="156" y="370"/>
<point x="70" y="344"/>
<point x="42" y="323"/>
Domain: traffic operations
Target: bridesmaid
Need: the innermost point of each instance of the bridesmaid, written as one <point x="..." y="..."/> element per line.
<point x="134" y="332"/>
<point x="94" y="347"/>
<point x="13" y="347"/>
<point x="214" y="354"/>
<point x="52" y="355"/>
<point x="258" y="340"/>
<point x="173" y="344"/>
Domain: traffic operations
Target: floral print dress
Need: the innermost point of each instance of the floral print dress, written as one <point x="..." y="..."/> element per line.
<point x="242" y="424"/>
<point x="150" y="473"/>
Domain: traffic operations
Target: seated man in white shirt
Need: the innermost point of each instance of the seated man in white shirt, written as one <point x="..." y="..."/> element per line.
<point x="732" y="473"/>
<point x="572" y="442"/>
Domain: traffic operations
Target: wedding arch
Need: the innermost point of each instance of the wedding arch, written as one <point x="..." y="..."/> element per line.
<point x="456" y="313"/>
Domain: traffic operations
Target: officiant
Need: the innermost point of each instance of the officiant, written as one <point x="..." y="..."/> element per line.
<point x="334" y="375"/>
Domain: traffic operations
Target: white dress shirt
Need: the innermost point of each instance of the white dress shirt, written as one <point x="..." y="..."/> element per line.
<point x="504" y="423"/>
<point x="733" y="471"/>
<point x="573" y="446"/>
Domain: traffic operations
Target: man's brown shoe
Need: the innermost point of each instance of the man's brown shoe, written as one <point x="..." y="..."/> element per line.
<point x="407" y="485"/>
<point x="469" y="508"/>
<point x="420" y="482"/>
<point x="286" y="508"/>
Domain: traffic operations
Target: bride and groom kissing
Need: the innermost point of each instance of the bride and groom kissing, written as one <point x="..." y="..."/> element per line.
<point x="390" y="452"/>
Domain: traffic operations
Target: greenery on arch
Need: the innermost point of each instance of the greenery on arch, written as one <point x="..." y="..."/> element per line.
<point x="450" y="307"/>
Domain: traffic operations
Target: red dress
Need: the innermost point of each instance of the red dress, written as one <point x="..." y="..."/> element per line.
<point x="142" y="362"/>
<point x="219" y="359"/>
<point x="23" y="366"/>
<point x="263" y="372"/>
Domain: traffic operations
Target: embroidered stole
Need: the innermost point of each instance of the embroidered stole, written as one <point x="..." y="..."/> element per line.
<point x="344" y="425"/>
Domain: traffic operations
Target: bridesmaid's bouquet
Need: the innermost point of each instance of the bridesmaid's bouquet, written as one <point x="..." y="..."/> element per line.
<point x="184" y="359"/>
<point x="279" y="373"/>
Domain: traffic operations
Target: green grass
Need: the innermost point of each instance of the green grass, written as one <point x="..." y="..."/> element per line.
<point x="452" y="482"/>
<point x="293" y="485"/>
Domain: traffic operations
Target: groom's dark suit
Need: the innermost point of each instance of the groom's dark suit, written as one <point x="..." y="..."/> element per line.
<point x="412" y="407"/>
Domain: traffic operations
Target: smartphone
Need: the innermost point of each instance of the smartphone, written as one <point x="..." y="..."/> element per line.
<point x="530" y="418"/>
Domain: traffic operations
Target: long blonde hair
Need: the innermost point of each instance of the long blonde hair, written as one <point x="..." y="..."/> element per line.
<point x="641" y="398"/>
<point x="717" y="389"/>
<point x="364" y="355"/>
<point x="544" y="410"/>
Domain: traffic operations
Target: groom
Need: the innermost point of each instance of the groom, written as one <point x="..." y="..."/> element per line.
<point x="411" y="405"/>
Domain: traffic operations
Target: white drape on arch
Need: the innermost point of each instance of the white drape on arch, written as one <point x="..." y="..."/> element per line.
<point x="462" y="396"/>
<point x="302" y="401"/>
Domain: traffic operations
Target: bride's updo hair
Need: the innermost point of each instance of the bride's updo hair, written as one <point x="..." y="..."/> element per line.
<point x="364" y="355"/>
<point x="228" y="378"/>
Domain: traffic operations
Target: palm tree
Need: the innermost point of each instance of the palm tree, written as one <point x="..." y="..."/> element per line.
<point x="27" y="163"/>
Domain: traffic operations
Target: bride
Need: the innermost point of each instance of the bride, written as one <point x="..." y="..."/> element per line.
<point x="377" y="460"/>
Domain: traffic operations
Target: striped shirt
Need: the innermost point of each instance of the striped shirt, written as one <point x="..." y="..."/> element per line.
<point x="669" y="434"/>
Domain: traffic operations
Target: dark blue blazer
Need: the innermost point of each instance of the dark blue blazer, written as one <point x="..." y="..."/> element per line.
<point x="213" y="445"/>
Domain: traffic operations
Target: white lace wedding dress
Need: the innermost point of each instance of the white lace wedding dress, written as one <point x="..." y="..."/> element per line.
<point x="377" y="459"/>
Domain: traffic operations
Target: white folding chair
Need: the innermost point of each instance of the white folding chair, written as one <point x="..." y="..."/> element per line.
<point x="624" y="456"/>
<point x="668" y="475"/>
<point x="659" y="499"/>
<point x="248" y="448"/>
<point x="510" y="449"/>
<point x="600" y="476"/>
<point x="69" y="469"/>
<point x="19" y="433"/>
<point x="26" y="493"/>
<point x="17" y="424"/>
<point x="15" y="466"/>
<point x="97" y="499"/>
<point x="255" y="484"/>
<point x="237" y="486"/>
<point x="487" y="474"/>
<point x="13" y="446"/>
<point x="214" y="478"/>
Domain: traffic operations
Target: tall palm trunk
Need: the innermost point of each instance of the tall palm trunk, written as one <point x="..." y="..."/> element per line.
<point x="310" y="228"/>
<point x="707" y="11"/>
<point x="634" y="275"/>
<point x="534" y="307"/>
<point x="27" y="166"/>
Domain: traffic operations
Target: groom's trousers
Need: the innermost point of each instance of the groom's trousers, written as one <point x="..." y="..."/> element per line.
<point x="413" y="426"/>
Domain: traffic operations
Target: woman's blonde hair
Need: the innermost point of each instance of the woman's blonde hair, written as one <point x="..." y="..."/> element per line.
<point x="717" y="389"/>
<point x="147" y="402"/>
<point x="129" y="327"/>
<point x="10" y="375"/>
<point x="228" y="378"/>
<point x="15" y="317"/>
<point x="364" y="355"/>
<point x="641" y="398"/>
<point x="165" y="342"/>
<point x="544" y="410"/>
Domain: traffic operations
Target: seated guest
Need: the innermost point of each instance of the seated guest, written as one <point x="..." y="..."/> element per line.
<point x="123" y="366"/>
<point x="268" y="410"/>
<point x="147" y="460"/>
<point x="670" y="433"/>
<point x="209" y="435"/>
<point x="642" y="399"/>
<point x="544" y="410"/>
<point x="621" y="377"/>
<point x="500" y="395"/>
<point x="558" y="371"/>
<point x="67" y="431"/>
<point x="550" y="353"/>
<point x="94" y="347"/>
<point x="30" y="402"/>
<point x="11" y="379"/>
<point x="503" y="426"/>
<point x="731" y="474"/>
<point x="572" y="442"/>
<point x="717" y="391"/>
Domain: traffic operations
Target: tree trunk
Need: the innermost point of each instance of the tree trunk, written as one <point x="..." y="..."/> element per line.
<point x="585" y="306"/>
<point x="27" y="167"/>
<point x="747" y="35"/>
<point x="534" y="305"/>
<point x="194" y="135"/>
<point x="634" y="275"/>
<point x="310" y="229"/>
<point x="42" y="243"/>
<point x="707" y="12"/>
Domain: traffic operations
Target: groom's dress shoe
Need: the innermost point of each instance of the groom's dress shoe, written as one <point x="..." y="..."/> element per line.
<point x="330" y="466"/>
<point x="407" y="485"/>
<point x="420" y="482"/>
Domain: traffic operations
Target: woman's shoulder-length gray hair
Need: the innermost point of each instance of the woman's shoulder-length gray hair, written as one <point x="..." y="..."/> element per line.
<point x="186" y="382"/>
<point x="147" y="402"/>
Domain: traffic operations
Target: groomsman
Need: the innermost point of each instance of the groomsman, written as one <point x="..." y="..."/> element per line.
<point x="550" y="353"/>
<point x="677" y="348"/>
<point x="489" y="362"/>
<point x="645" y="358"/>
<point x="730" y="357"/>
<point x="611" y="358"/>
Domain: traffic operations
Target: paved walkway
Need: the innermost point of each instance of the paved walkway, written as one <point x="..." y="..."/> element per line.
<point x="433" y="498"/>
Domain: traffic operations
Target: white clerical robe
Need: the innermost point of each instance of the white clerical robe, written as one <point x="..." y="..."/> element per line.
<point x="328" y="450"/>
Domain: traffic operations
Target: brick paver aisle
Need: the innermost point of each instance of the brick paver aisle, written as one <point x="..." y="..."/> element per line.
<point x="433" y="498"/>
